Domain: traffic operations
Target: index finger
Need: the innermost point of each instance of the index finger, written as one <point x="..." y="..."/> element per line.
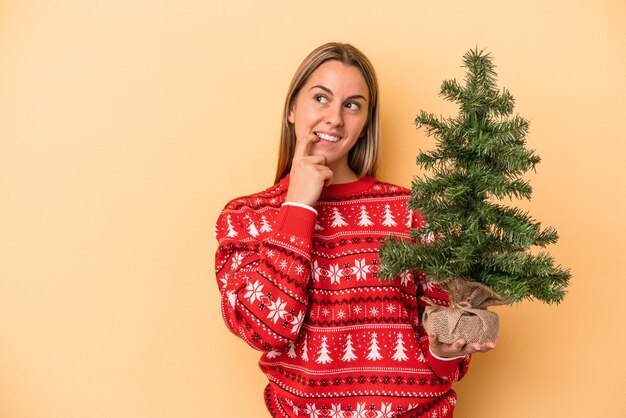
<point x="303" y="146"/>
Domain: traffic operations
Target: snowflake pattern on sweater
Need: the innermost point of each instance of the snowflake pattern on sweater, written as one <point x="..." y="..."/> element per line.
<point x="304" y="288"/>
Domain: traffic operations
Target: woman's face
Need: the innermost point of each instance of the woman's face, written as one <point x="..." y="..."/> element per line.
<point x="332" y="105"/>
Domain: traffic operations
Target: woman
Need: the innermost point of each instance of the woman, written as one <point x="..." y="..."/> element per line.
<point x="297" y="263"/>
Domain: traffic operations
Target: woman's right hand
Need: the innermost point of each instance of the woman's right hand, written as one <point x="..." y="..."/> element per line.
<point x="309" y="173"/>
<point x="458" y="348"/>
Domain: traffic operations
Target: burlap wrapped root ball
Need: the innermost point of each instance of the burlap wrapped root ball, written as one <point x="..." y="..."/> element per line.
<point x="467" y="316"/>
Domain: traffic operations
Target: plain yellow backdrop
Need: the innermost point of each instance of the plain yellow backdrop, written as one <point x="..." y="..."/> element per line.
<point x="125" y="126"/>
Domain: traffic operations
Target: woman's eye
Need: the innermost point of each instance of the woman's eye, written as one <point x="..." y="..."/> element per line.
<point x="353" y="106"/>
<point x="321" y="99"/>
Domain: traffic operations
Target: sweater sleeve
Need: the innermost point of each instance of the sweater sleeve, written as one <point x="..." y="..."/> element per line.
<point x="263" y="276"/>
<point x="450" y="370"/>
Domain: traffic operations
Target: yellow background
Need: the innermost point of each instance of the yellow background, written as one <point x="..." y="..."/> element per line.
<point x="125" y="126"/>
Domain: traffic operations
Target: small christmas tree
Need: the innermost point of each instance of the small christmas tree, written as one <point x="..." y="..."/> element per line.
<point x="374" y="354"/>
<point x="252" y="229"/>
<point x="292" y="350"/>
<point x="388" y="217"/>
<point x="338" y="219"/>
<point x="400" y="353"/>
<point x="348" y="351"/>
<point x="323" y="353"/>
<point x="231" y="231"/>
<point x="305" y="349"/>
<point x="265" y="226"/>
<point x="479" y="160"/>
<point x="364" y="219"/>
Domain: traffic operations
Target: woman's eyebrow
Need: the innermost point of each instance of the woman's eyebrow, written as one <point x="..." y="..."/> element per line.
<point x="329" y="91"/>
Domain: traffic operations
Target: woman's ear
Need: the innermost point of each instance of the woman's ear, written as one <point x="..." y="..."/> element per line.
<point x="291" y="116"/>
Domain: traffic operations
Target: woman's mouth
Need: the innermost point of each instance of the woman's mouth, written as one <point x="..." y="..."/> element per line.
<point x="327" y="137"/>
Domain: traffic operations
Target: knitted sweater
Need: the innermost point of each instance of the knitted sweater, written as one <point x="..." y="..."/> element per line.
<point x="303" y="287"/>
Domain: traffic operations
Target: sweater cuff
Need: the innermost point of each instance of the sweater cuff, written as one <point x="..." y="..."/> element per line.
<point x="446" y="368"/>
<point x="301" y="205"/>
<point x="444" y="358"/>
<point x="296" y="220"/>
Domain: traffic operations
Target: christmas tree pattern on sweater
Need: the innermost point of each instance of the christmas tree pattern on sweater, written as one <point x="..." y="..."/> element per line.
<point x="304" y="289"/>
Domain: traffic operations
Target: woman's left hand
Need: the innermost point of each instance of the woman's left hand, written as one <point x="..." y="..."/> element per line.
<point x="458" y="348"/>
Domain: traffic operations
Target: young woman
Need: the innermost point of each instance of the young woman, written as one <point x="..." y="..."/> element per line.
<point x="297" y="263"/>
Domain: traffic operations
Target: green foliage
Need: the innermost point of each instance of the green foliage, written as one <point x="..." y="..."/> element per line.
<point x="479" y="159"/>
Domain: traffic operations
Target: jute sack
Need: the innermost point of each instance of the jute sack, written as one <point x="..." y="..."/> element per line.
<point x="467" y="316"/>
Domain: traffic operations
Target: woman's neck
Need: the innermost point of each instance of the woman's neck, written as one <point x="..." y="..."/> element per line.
<point x="343" y="174"/>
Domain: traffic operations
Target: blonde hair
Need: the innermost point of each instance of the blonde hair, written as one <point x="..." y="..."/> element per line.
<point x="363" y="157"/>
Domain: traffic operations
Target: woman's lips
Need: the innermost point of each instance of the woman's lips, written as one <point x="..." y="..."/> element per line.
<point x="327" y="137"/>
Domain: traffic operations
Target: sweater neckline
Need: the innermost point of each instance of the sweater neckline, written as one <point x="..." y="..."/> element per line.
<point x="340" y="189"/>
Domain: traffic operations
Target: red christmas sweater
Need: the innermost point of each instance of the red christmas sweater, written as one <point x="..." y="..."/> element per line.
<point x="303" y="287"/>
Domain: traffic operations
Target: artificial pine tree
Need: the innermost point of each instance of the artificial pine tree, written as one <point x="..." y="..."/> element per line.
<point x="479" y="160"/>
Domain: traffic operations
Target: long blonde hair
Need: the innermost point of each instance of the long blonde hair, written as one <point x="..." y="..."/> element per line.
<point x="363" y="157"/>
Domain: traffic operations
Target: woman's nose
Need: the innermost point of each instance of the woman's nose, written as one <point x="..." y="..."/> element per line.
<point x="334" y="116"/>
